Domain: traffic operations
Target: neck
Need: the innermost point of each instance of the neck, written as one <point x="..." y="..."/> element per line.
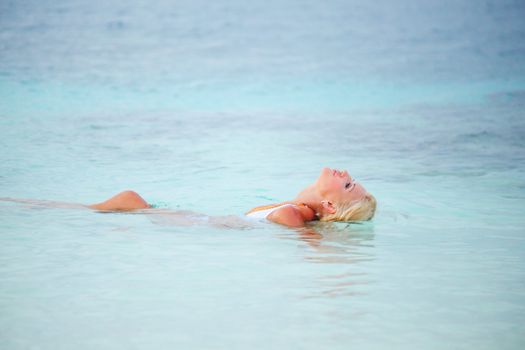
<point x="310" y="197"/>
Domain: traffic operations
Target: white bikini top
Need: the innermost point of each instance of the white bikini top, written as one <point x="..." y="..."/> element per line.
<point x="263" y="214"/>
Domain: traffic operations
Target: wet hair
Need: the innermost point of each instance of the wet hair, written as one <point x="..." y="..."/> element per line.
<point x="360" y="210"/>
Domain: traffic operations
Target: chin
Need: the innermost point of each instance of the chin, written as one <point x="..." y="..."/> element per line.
<point x="325" y="172"/>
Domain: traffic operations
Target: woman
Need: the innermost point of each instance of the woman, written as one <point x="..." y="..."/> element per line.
<point x="334" y="196"/>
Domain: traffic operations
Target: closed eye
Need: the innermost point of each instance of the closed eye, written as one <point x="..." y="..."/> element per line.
<point x="347" y="186"/>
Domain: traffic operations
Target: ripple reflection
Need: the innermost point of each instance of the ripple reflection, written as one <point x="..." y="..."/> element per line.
<point x="340" y="252"/>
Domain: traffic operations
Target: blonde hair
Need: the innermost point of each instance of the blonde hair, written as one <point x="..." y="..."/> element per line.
<point x="360" y="210"/>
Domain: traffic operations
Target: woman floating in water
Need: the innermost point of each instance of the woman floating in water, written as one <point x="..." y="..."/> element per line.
<point x="334" y="196"/>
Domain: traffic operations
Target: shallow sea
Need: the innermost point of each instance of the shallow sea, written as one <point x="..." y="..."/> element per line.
<point x="217" y="107"/>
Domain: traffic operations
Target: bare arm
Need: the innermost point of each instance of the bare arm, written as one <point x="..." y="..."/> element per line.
<point x="288" y="216"/>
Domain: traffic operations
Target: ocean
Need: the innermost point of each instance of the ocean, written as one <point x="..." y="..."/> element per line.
<point x="217" y="107"/>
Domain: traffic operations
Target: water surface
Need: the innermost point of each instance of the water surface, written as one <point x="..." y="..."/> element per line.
<point x="219" y="107"/>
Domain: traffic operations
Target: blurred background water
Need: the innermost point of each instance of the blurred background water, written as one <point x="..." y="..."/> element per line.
<point x="221" y="106"/>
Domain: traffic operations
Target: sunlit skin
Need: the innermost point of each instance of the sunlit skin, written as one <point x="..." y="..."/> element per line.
<point x="338" y="186"/>
<point x="320" y="198"/>
<point x="331" y="188"/>
<point x="127" y="200"/>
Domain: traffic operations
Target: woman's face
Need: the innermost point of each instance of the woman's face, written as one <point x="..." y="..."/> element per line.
<point x="339" y="187"/>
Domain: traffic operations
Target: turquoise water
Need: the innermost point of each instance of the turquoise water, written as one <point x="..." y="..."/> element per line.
<point x="219" y="107"/>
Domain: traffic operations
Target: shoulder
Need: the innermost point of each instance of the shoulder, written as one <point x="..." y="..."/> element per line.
<point x="288" y="215"/>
